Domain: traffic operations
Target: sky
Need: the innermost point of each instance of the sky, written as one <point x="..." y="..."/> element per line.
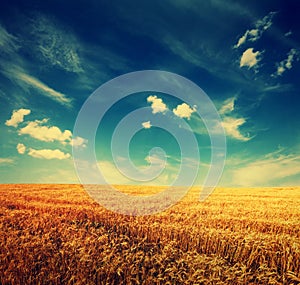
<point x="245" y="55"/>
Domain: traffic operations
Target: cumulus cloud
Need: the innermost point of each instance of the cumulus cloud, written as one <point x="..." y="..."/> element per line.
<point x="184" y="111"/>
<point x="21" y="148"/>
<point x="48" y="154"/>
<point x="256" y="33"/>
<point x="157" y="104"/>
<point x="79" y="142"/>
<point x="37" y="130"/>
<point x="250" y="58"/>
<point x="17" y="117"/>
<point x="287" y="63"/>
<point x="147" y="125"/>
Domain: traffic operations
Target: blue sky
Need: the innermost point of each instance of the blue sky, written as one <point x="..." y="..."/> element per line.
<point x="245" y="55"/>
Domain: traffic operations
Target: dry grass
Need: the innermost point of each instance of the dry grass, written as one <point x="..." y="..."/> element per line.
<point x="56" y="234"/>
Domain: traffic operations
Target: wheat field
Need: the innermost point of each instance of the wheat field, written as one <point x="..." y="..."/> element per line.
<point x="56" y="234"/>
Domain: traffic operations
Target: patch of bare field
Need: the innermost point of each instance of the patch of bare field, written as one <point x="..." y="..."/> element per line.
<point x="57" y="234"/>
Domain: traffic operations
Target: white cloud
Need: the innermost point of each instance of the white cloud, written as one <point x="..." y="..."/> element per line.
<point x="266" y="22"/>
<point x="289" y="33"/>
<point x="8" y="42"/>
<point x="18" y="75"/>
<point x="14" y="71"/>
<point x="17" y="117"/>
<point x="230" y="123"/>
<point x="21" y="148"/>
<point x="79" y="142"/>
<point x="65" y="175"/>
<point x="157" y="104"/>
<point x="184" y="111"/>
<point x="249" y="58"/>
<point x="242" y="40"/>
<point x="287" y="63"/>
<point x="37" y="130"/>
<point x="147" y="125"/>
<point x="48" y="154"/>
<point x="265" y="170"/>
<point x="111" y="174"/>
<point x="46" y="90"/>
<point x="155" y="159"/>
<point x="256" y="33"/>
<point x="55" y="44"/>
<point x="6" y="160"/>
<point x="231" y="126"/>
<point x="228" y="106"/>
<point x="250" y="35"/>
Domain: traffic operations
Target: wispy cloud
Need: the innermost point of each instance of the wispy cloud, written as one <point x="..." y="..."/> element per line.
<point x="78" y="142"/>
<point x="231" y="126"/>
<point x="289" y="33"/>
<point x="18" y="75"/>
<point x="13" y="67"/>
<point x="156" y="160"/>
<point x="256" y="33"/>
<point x="55" y="44"/>
<point x="232" y="7"/>
<point x="6" y="160"/>
<point x="17" y="117"/>
<point x="8" y="42"/>
<point x="203" y="55"/>
<point x="264" y="171"/>
<point x="208" y="56"/>
<point x="45" y="89"/>
<point x="111" y="173"/>
<point x="48" y="154"/>
<point x="250" y="58"/>
<point x="179" y="48"/>
<point x="277" y="88"/>
<point x="230" y="123"/>
<point x="287" y="63"/>
<point x="227" y="106"/>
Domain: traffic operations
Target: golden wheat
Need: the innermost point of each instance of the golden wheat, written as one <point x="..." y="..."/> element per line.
<point x="56" y="234"/>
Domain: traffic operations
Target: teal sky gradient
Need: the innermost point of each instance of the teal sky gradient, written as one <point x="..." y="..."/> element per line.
<point x="245" y="55"/>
